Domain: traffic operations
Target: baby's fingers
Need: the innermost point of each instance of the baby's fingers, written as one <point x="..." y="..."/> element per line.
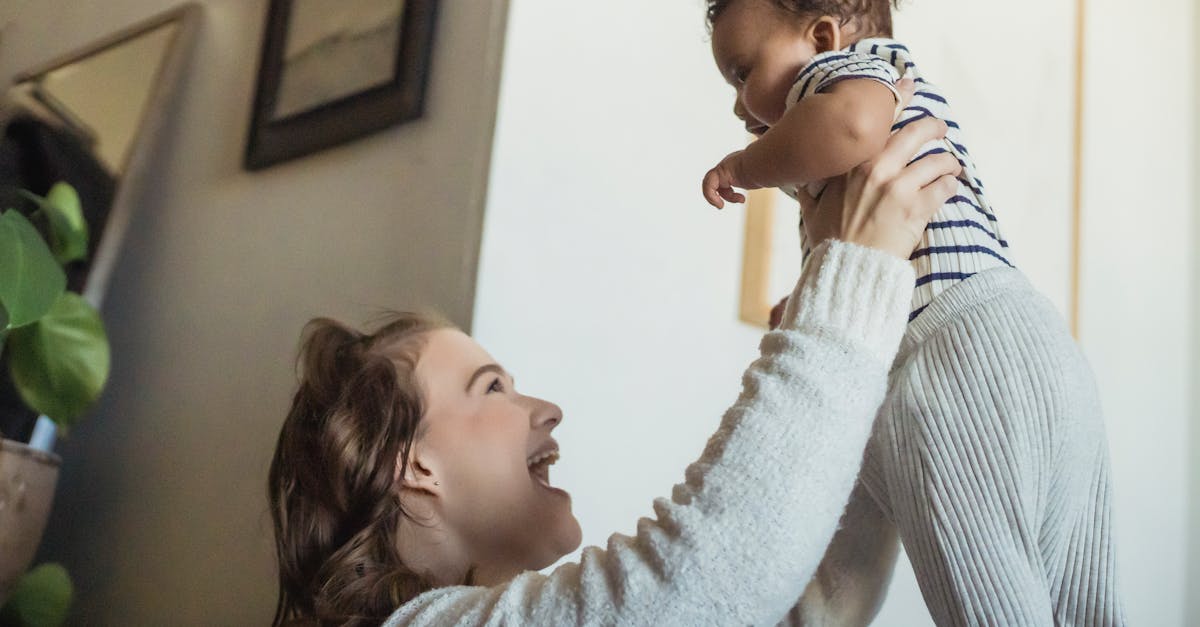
<point x="711" y="189"/>
<point x="729" y="194"/>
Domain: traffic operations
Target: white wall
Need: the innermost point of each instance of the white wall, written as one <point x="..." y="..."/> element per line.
<point x="598" y="251"/>
<point x="966" y="47"/>
<point x="606" y="282"/>
<point x="1137" y="321"/>
<point x="161" y="514"/>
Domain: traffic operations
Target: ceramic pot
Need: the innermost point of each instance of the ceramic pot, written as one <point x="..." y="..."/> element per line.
<point x="27" y="480"/>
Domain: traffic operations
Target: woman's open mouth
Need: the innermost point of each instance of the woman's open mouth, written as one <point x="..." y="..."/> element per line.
<point x="539" y="465"/>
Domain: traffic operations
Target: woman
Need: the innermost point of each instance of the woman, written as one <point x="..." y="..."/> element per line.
<point x="410" y="474"/>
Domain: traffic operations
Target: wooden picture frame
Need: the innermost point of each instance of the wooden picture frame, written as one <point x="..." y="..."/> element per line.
<point x="299" y="107"/>
<point x="754" y="306"/>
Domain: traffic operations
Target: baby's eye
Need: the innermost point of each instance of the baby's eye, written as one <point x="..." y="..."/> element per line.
<point x="740" y="74"/>
<point x="496" y="386"/>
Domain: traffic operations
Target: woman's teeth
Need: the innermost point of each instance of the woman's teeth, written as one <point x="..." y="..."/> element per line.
<point x="549" y="457"/>
<point x="539" y="466"/>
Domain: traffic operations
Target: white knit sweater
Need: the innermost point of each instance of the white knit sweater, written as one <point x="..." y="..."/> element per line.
<point x="738" y="540"/>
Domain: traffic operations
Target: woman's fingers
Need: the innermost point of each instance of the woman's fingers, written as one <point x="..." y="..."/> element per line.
<point x="925" y="171"/>
<point x="903" y="145"/>
<point x="933" y="196"/>
<point x="806" y="200"/>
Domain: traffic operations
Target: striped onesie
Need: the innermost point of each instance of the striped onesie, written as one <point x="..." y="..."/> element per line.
<point x="964" y="237"/>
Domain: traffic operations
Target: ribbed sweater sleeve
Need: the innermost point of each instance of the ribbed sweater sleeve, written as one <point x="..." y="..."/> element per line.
<point x="738" y="539"/>
<point x="998" y="479"/>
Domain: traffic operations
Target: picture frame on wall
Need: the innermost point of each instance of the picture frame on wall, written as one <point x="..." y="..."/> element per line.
<point x="332" y="71"/>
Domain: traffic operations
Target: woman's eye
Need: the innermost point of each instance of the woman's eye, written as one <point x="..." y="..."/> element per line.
<point x="496" y="386"/>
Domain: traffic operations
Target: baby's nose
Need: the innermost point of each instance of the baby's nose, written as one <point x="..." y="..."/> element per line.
<point x="739" y="109"/>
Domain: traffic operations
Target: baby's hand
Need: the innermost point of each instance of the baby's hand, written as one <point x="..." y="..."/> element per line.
<point x="719" y="182"/>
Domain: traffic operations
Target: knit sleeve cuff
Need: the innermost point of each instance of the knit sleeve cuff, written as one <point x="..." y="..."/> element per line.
<point x="854" y="291"/>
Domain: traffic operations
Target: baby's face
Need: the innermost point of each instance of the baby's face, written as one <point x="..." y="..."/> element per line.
<point x="759" y="49"/>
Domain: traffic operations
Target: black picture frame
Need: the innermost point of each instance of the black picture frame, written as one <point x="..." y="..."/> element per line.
<point x="346" y="118"/>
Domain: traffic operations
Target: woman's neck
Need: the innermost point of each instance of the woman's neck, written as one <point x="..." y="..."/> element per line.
<point x="441" y="557"/>
<point x="493" y="575"/>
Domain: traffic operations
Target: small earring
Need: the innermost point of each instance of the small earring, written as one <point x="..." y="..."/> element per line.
<point x="437" y="483"/>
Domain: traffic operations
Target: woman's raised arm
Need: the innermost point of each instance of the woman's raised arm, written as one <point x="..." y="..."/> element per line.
<point x="739" y="539"/>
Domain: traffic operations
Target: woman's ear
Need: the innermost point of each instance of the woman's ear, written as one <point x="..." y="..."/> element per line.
<point x="419" y="475"/>
<point x="825" y="33"/>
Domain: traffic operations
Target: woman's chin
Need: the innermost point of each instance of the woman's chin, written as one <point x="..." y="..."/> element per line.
<point x="574" y="536"/>
<point x="566" y="538"/>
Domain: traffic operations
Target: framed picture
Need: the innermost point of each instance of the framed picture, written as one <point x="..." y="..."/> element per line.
<point x="335" y="70"/>
<point x="770" y="254"/>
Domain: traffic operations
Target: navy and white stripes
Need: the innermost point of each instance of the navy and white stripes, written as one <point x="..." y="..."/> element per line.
<point x="964" y="237"/>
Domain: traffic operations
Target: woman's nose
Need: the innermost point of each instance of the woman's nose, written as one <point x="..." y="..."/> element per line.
<point x="545" y="414"/>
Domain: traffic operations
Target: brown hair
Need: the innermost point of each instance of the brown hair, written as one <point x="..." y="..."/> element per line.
<point x="333" y="502"/>
<point x="873" y="17"/>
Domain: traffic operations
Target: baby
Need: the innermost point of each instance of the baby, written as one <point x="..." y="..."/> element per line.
<point x="989" y="457"/>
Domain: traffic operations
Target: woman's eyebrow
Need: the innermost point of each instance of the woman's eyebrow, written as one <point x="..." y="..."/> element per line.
<point x="483" y="370"/>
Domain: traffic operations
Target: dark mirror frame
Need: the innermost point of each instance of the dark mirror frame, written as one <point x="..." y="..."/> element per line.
<point x="339" y="121"/>
<point x="108" y="227"/>
<point x="158" y="109"/>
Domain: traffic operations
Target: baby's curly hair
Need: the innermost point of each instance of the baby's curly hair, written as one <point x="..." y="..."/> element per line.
<point x="874" y="17"/>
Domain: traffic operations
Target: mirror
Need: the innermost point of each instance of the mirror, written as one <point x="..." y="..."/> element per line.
<point x="91" y="118"/>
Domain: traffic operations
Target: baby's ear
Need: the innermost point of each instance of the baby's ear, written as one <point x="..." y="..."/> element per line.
<point x="826" y="34"/>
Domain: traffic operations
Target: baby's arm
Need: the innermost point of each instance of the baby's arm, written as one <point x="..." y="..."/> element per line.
<point x="823" y="135"/>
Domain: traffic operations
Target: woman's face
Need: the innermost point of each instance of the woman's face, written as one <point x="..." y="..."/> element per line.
<point x="490" y="449"/>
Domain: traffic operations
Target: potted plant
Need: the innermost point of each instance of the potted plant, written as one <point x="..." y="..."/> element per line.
<point x="53" y="344"/>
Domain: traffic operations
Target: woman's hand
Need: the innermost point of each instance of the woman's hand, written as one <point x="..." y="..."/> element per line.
<point x="886" y="202"/>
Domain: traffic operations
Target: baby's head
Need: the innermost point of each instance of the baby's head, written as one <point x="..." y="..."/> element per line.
<point x="761" y="45"/>
<point x="871" y="18"/>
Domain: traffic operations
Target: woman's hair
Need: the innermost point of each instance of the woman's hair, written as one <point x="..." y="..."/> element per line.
<point x="874" y="17"/>
<point x="333" y="500"/>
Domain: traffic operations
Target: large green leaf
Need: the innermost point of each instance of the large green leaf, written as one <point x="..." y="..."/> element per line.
<point x="68" y="229"/>
<point x="3" y="328"/>
<point x="41" y="598"/>
<point x="30" y="279"/>
<point x="60" y="363"/>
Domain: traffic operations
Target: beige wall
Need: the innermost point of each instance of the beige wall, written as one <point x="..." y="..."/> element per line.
<point x="1192" y="590"/>
<point x="161" y="516"/>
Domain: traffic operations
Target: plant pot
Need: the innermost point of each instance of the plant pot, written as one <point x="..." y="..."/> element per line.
<point x="27" y="480"/>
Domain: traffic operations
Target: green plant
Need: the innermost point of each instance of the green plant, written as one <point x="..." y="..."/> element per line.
<point x="41" y="598"/>
<point x="52" y="340"/>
